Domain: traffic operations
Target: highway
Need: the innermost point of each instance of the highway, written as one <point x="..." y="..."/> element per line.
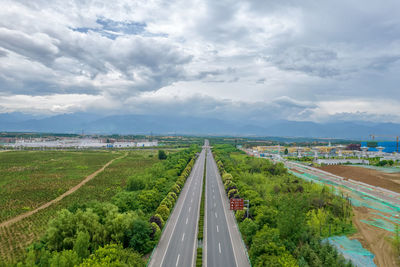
<point x="178" y="243"/>
<point x="223" y="245"/>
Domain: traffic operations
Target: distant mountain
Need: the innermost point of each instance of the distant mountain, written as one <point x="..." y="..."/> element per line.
<point x="144" y="124"/>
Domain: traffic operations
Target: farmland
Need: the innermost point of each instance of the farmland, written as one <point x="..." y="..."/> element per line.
<point x="29" y="179"/>
<point x="15" y="238"/>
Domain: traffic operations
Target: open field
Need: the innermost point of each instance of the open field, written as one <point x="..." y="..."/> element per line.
<point x="15" y="238"/>
<point x="30" y="179"/>
<point x="390" y="181"/>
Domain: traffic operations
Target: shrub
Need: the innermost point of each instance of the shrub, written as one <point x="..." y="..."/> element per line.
<point x="136" y="183"/>
<point x="156" y="218"/>
<point x="164" y="211"/>
<point x="162" y="155"/>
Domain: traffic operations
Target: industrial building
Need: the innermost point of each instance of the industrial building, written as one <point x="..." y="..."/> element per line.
<point x="341" y="161"/>
<point x="389" y="146"/>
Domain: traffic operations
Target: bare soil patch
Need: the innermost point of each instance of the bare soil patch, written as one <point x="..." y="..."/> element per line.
<point x="390" y="181"/>
<point x="374" y="239"/>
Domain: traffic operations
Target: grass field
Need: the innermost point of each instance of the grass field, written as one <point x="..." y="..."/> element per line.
<point x="15" y="238"/>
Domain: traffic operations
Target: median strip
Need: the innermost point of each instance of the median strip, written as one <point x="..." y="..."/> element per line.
<point x="199" y="257"/>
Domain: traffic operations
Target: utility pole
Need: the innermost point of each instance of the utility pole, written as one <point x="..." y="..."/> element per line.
<point x="247" y="204"/>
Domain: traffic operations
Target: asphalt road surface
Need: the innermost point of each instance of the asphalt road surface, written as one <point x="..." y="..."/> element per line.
<point x="178" y="243"/>
<point x="223" y="245"/>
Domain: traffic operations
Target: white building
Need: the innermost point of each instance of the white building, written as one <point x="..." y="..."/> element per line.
<point x="147" y="143"/>
<point x="341" y="161"/>
<point x="124" y="144"/>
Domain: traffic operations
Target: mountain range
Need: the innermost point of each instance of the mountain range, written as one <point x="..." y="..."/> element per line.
<point x="158" y="124"/>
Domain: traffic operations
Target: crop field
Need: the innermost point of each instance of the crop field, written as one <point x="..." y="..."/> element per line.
<point x="15" y="238"/>
<point x="30" y="178"/>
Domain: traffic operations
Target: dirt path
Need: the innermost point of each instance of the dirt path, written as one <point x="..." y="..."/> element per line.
<point x="69" y="192"/>
<point x="374" y="239"/>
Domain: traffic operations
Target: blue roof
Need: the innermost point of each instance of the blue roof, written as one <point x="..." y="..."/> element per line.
<point x="388" y="145"/>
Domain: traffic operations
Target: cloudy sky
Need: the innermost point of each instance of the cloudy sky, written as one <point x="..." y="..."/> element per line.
<point x="279" y="59"/>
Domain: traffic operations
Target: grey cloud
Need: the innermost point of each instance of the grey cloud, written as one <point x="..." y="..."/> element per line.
<point x="205" y="106"/>
<point x="227" y="75"/>
<point x="38" y="47"/>
<point x="313" y="61"/>
<point x="285" y="101"/>
<point x="3" y="53"/>
<point x="148" y="63"/>
<point x="363" y="116"/>
<point x="384" y="62"/>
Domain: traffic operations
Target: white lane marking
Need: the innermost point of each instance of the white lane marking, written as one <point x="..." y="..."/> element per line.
<point x="189" y="208"/>
<point x="216" y="215"/>
<point x="219" y="246"/>
<point x="214" y="197"/>
<point x="213" y="190"/>
<point x="191" y="200"/>
<point x="177" y="260"/>
<point x="217" y="229"/>
<point x="183" y="237"/>
<point x="224" y="204"/>
<point x="215" y="205"/>
<point x="187" y="219"/>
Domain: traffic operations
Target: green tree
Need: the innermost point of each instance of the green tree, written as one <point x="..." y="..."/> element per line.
<point x="114" y="256"/>
<point x="286" y="151"/>
<point x="82" y="244"/>
<point x="140" y="236"/>
<point x="162" y="155"/>
<point x="148" y="200"/>
<point x="65" y="258"/>
<point x="248" y="228"/>
<point x="136" y="183"/>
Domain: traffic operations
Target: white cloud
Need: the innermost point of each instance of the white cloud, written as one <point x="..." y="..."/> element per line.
<point x="295" y="60"/>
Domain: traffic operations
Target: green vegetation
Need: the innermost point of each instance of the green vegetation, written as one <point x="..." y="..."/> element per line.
<point x="32" y="178"/>
<point x="85" y="230"/>
<point x="382" y="163"/>
<point x="162" y="155"/>
<point x="16" y="237"/>
<point x="199" y="255"/>
<point x="288" y="217"/>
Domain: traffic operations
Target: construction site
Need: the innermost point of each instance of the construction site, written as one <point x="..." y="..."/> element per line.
<point x="368" y="175"/>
